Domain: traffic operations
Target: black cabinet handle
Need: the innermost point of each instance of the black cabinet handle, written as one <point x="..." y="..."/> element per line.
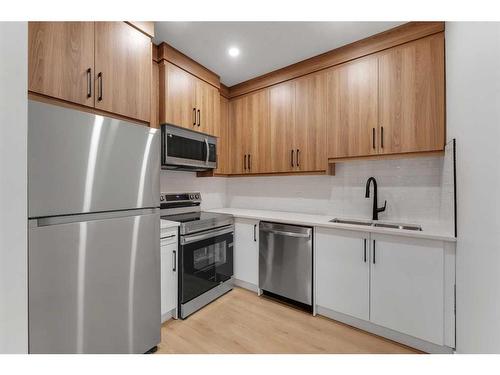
<point x="364" y="250"/>
<point x="99" y="79"/>
<point x="89" y="82"/>
<point x="199" y="118"/>
<point x="291" y="159"/>
<point x="373" y="138"/>
<point x="382" y="137"/>
<point x="298" y="158"/>
<point x="249" y="162"/>
<point x="174" y="261"/>
<point x="194" y="116"/>
<point x="245" y="162"/>
<point x="373" y="251"/>
<point x="255" y="233"/>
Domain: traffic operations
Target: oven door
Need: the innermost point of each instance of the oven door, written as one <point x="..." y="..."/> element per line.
<point x="185" y="149"/>
<point x="206" y="260"/>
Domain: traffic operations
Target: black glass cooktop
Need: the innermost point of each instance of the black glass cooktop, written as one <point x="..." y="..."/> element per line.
<point x="192" y="216"/>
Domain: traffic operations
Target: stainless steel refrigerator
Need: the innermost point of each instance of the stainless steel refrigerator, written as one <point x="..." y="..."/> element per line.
<point x="94" y="241"/>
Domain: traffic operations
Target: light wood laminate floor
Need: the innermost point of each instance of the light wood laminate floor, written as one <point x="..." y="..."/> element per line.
<point x="242" y="322"/>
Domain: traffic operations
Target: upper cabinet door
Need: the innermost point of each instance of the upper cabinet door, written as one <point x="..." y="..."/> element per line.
<point x="352" y="109"/>
<point x="123" y="70"/>
<point x="237" y="135"/>
<point x="177" y="97"/>
<point x="310" y="123"/>
<point x="257" y="132"/>
<point x="61" y="60"/>
<point x="411" y="97"/>
<point x="207" y="105"/>
<point x="282" y="124"/>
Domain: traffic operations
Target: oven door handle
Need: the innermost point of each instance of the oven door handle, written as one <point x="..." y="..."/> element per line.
<point x="203" y="236"/>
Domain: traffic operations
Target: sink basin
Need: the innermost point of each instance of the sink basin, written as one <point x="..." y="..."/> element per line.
<point x="398" y="226"/>
<point x="376" y="224"/>
<point x="354" y="222"/>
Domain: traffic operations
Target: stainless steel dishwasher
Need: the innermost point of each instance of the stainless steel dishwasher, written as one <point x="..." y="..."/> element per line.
<point x="285" y="261"/>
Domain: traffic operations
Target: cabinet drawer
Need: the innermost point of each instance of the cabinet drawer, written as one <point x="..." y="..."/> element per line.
<point x="168" y="236"/>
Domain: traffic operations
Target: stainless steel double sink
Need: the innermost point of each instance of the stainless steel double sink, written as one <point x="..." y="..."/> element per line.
<point x="377" y="224"/>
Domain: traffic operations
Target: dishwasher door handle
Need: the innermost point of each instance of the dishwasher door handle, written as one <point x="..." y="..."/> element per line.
<point x="288" y="234"/>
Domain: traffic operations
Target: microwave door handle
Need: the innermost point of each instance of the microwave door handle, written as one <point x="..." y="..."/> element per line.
<point x="208" y="150"/>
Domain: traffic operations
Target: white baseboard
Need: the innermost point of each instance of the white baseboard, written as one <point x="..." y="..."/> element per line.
<point x="169" y="315"/>
<point x="402" y="338"/>
<point x="246" y="285"/>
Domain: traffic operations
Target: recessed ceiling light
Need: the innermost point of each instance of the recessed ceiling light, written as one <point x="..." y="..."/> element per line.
<point x="233" y="51"/>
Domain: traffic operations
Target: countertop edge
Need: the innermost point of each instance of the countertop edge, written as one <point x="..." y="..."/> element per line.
<point x="165" y="224"/>
<point x="377" y="230"/>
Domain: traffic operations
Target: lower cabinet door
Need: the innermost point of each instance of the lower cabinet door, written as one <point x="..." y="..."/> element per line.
<point x="246" y="251"/>
<point x="168" y="279"/>
<point x="342" y="271"/>
<point x="407" y="286"/>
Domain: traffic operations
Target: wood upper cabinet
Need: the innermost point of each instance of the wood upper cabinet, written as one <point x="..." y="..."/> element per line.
<point x="352" y="109"/>
<point x="237" y="136"/>
<point x="105" y="65"/>
<point x="208" y="106"/>
<point x="282" y="125"/>
<point x="177" y="96"/>
<point x="155" y="97"/>
<point x="222" y="132"/>
<point x="249" y="134"/>
<point x="186" y="100"/>
<point x="411" y="97"/>
<point x="123" y="66"/>
<point x="61" y="60"/>
<point x="310" y="123"/>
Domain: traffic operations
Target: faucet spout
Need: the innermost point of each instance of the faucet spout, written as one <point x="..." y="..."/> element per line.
<point x="376" y="209"/>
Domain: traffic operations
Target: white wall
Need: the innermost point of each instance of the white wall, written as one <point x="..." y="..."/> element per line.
<point x="473" y="117"/>
<point x="412" y="188"/>
<point x="13" y="188"/>
<point x="213" y="189"/>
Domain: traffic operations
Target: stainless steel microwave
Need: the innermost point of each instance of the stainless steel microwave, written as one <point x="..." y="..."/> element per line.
<point x="186" y="150"/>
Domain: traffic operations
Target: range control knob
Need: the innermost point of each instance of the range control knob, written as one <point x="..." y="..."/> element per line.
<point x="197" y="196"/>
<point x="191" y="196"/>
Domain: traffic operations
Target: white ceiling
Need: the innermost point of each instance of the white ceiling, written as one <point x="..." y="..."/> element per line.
<point x="264" y="46"/>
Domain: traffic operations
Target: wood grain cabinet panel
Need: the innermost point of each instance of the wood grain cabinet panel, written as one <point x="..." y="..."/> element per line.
<point x="282" y="124"/>
<point x="310" y="123"/>
<point x="222" y="132"/>
<point x="352" y="109"/>
<point x="177" y="96"/>
<point x="61" y="60"/>
<point x="123" y="66"/>
<point x="207" y="103"/>
<point x="155" y="96"/>
<point x="237" y="135"/>
<point x="249" y="134"/>
<point x="411" y="97"/>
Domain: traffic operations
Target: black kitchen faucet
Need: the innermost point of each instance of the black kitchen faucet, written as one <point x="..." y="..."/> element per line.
<point x="376" y="209"/>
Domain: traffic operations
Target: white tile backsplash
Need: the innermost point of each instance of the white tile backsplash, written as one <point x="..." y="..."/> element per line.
<point x="212" y="189"/>
<point x="415" y="189"/>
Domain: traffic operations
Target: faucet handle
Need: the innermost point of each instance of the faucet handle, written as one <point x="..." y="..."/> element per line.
<point x="380" y="209"/>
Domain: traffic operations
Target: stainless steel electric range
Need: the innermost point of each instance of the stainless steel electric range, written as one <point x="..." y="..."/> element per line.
<point x="205" y="250"/>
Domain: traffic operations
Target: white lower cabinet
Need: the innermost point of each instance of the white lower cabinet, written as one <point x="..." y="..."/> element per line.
<point x="246" y="251"/>
<point x="342" y="269"/>
<point x="407" y="286"/>
<point x="169" y="254"/>
<point x="403" y="285"/>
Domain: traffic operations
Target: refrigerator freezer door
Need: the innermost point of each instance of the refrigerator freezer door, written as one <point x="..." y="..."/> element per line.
<point x="94" y="286"/>
<point x="81" y="162"/>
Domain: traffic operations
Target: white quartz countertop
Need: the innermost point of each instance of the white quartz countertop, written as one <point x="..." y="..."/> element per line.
<point x="429" y="231"/>
<point x="168" y="224"/>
